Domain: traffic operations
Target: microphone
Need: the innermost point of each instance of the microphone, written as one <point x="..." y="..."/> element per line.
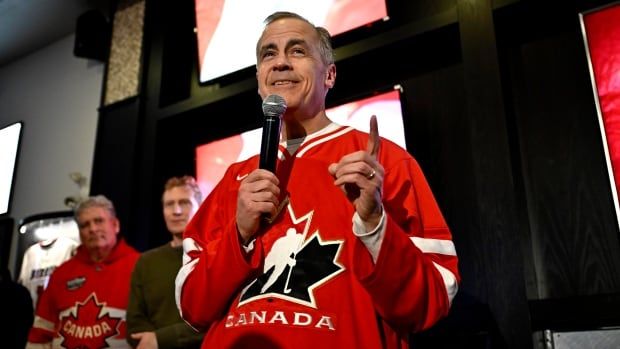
<point x="273" y="108"/>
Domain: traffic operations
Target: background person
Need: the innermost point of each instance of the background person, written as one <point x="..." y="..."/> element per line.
<point x="17" y="317"/>
<point x="85" y="301"/>
<point x="153" y="320"/>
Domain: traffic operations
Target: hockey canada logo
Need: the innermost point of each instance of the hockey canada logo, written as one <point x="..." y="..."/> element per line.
<point x="89" y="326"/>
<point x="296" y="265"/>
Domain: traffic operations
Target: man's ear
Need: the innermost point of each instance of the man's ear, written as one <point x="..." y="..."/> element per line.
<point x="117" y="225"/>
<point x="330" y="76"/>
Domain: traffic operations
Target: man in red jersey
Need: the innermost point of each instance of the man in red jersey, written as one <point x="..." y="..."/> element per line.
<point x="356" y="253"/>
<point x="85" y="302"/>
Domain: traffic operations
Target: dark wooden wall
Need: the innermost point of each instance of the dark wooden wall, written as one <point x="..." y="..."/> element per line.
<point x="499" y="112"/>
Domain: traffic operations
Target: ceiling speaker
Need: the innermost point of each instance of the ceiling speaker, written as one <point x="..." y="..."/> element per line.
<point x="92" y="36"/>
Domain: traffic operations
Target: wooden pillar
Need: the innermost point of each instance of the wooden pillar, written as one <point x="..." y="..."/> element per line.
<point x="499" y="258"/>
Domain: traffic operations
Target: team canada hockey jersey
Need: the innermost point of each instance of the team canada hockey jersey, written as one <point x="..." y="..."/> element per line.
<point x="39" y="262"/>
<point x="309" y="282"/>
<point x="85" y="302"/>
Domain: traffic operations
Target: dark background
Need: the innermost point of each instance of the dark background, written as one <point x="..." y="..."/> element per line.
<point x="500" y="113"/>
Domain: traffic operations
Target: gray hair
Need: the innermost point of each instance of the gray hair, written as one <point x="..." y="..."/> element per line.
<point x="95" y="201"/>
<point x="325" y="39"/>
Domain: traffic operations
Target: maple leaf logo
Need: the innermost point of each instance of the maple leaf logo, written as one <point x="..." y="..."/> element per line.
<point x="296" y="265"/>
<point x="88" y="326"/>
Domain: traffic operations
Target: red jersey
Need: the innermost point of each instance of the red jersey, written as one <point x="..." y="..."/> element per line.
<point x="84" y="304"/>
<point x="309" y="282"/>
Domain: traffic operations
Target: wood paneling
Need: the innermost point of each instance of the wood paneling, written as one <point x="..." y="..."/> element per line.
<point x="114" y="163"/>
<point x="574" y="242"/>
<point x="495" y="228"/>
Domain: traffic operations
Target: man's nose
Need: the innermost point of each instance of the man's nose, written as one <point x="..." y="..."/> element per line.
<point x="282" y="63"/>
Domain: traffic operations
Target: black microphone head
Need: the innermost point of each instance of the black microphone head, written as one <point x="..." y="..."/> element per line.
<point x="274" y="105"/>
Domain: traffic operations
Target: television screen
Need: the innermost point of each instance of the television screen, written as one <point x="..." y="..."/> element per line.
<point x="213" y="158"/>
<point x="601" y="32"/>
<point x="227" y="30"/>
<point x="9" y="142"/>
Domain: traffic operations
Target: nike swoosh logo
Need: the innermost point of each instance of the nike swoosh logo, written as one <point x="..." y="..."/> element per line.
<point x="240" y="178"/>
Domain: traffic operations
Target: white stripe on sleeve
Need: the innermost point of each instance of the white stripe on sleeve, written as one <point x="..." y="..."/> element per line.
<point x="449" y="281"/>
<point x="445" y="247"/>
<point x="189" y="245"/>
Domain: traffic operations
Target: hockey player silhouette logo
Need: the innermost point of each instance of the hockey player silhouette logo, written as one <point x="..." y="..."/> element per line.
<point x="295" y="265"/>
<point x="282" y="254"/>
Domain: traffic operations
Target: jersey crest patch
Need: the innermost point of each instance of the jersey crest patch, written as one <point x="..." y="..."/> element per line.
<point x="89" y="326"/>
<point x="76" y="283"/>
<point x="296" y="265"/>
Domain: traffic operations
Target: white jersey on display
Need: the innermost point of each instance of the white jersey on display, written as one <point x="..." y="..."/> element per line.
<point x="40" y="260"/>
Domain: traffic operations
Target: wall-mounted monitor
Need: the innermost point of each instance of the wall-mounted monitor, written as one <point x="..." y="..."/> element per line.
<point x="601" y="33"/>
<point x="213" y="158"/>
<point x="9" y="145"/>
<point x="227" y="30"/>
